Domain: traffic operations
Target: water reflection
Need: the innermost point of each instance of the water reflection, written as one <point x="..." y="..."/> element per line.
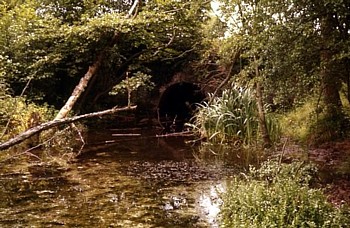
<point x="210" y="203"/>
<point x="135" y="182"/>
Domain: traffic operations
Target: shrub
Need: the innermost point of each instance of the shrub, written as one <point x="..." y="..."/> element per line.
<point x="16" y="113"/>
<point x="279" y="196"/>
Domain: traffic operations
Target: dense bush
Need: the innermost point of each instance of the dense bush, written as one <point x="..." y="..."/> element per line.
<point x="279" y="195"/>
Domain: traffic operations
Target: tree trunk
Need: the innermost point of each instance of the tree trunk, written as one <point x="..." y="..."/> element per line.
<point x="228" y="75"/>
<point x="330" y="77"/>
<point x="331" y="85"/>
<point x="262" y="119"/>
<point x="261" y="111"/>
<point x="54" y="123"/>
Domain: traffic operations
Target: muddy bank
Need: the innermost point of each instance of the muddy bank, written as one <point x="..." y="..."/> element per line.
<point x="333" y="162"/>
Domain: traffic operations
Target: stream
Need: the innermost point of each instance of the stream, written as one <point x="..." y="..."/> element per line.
<point x="139" y="181"/>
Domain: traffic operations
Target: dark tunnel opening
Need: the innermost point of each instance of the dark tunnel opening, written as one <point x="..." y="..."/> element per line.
<point x="177" y="105"/>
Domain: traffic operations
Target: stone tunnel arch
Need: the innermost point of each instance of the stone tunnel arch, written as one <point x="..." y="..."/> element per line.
<point x="177" y="104"/>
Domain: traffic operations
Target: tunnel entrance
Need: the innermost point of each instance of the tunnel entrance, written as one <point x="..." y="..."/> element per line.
<point x="177" y="105"/>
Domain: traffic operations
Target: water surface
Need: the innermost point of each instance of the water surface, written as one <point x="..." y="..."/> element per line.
<point x="138" y="181"/>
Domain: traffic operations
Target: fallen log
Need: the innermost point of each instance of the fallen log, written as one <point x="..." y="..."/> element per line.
<point x="57" y="122"/>
<point x="126" y="135"/>
<point x="176" y="134"/>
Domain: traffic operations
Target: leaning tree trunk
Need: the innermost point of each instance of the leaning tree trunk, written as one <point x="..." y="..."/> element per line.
<point x="228" y="75"/>
<point x="54" y="123"/>
<point x="79" y="89"/>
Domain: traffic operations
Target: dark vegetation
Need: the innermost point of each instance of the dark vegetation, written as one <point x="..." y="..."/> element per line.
<point x="274" y="80"/>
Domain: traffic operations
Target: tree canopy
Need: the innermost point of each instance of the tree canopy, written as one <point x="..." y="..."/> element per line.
<point x="288" y="49"/>
<point x="51" y="44"/>
<point x="298" y="47"/>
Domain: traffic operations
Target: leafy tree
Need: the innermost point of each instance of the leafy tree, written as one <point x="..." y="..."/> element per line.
<point x="73" y="11"/>
<point x="52" y="44"/>
<point x="296" y="46"/>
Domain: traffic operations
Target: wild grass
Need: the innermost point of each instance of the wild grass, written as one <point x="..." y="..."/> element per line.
<point x="297" y="123"/>
<point x="309" y="123"/>
<point x="16" y="114"/>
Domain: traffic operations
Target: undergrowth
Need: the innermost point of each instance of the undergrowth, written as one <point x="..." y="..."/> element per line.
<point x="296" y="124"/>
<point x="279" y="195"/>
<point x="308" y="123"/>
<point x="17" y="115"/>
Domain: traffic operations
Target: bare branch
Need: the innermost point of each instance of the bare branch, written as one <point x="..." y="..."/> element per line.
<point x="80" y="137"/>
<point x="165" y="46"/>
<point x="227" y="79"/>
<point x="132" y="9"/>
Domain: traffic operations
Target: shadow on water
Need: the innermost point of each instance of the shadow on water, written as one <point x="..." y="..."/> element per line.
<point x="138" y="181"/>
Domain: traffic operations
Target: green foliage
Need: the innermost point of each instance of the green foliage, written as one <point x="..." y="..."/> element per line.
<point x="279" y="195"/>
<point x="15" y="114"/>
<point x="286" y="38"/>
<point x="308" y="123"/>
<point x="18" y="114"/>
<point x="73" y="11"/>
<point x="4" y="95"/>
<point x="232" y="118"/>
<point x="132" y="84"/>
<point x="325" y="128"/>
<point x="228" y="118"/>
<point x="52" y="43"/>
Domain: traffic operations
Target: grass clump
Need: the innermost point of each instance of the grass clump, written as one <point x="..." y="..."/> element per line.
<point x="279" y="195"/>
<point x="232" y="119"/>
<point x="51" y="147"/>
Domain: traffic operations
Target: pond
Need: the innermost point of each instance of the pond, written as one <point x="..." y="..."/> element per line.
<point x="140" y="180"/>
